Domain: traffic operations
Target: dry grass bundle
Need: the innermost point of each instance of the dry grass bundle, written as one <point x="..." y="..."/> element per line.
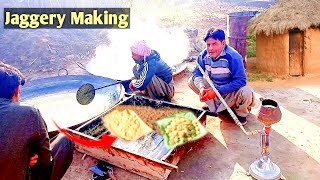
<point x="286" y="15"/>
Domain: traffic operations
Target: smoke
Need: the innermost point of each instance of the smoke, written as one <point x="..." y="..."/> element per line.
<point x="114" y="61"/>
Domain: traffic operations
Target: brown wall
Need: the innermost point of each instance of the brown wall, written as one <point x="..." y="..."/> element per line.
<point x="272" y="54"/>
<point x="312" y="52"/>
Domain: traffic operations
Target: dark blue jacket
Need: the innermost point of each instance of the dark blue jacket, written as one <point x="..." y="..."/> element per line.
<point x="145" y="70"/>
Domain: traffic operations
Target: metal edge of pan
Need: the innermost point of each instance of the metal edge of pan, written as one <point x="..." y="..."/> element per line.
<point x="61" y="84"/>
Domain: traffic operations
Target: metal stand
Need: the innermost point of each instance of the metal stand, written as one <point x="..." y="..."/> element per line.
<point x="263" y="168"/>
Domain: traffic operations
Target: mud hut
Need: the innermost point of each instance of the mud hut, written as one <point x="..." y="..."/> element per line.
<point x="288" y="38"/>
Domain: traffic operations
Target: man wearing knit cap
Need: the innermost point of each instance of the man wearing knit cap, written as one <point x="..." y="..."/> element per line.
<point x="25" y="151"/>
<point x="225" y="68"/>
<point x="152" y="76"/>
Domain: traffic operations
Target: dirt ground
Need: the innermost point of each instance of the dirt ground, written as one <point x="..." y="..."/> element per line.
<point x="226" y="152"/>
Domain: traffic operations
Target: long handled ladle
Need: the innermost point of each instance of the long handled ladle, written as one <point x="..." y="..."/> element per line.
<point x="87" y="92"/>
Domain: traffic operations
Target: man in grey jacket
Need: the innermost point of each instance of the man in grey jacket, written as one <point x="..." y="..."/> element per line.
<point x="25" y="151"/>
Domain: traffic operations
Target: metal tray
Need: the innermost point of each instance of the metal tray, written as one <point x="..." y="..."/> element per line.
<point x="150" y="146"/>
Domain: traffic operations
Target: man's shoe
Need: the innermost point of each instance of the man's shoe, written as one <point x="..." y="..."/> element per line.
<point x="208" y="112"/>
<point x="225" y="115"/>
<point x="243" y="120"/>
<point x="205" y="107"/>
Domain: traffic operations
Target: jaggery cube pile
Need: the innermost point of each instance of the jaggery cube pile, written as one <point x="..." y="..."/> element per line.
<point x="181" y="130"/>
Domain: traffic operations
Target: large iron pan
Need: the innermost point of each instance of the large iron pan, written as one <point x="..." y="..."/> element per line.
<point x="55" y="97"/>
<point x="177" y="68"/>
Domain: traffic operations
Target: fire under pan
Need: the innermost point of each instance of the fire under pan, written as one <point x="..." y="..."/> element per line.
<point x="146" y="156"/>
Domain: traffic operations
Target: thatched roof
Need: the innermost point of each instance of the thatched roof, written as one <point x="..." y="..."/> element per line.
<point x="286" y="15"/>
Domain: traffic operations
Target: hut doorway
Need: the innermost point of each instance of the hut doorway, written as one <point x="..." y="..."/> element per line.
<point x="296" y="52"/>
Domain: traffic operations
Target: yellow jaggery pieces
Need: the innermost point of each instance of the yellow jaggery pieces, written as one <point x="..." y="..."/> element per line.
<point x="181" y="129"/>
<point x="125" y="124"/>
<point x="149" y="114"/>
